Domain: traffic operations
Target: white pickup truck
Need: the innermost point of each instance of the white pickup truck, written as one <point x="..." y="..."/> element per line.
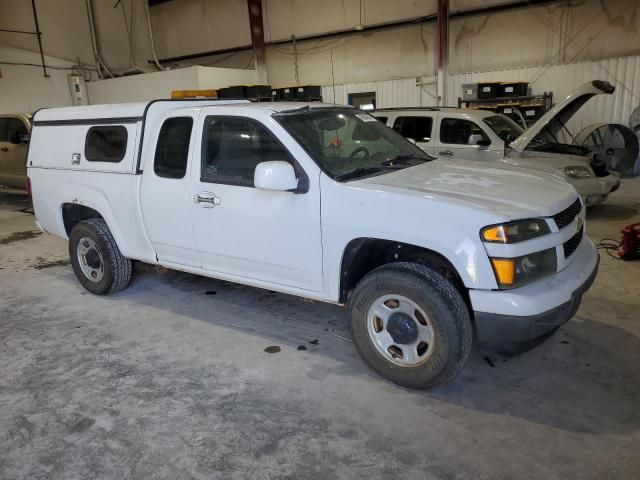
<point x="324" y="202"/>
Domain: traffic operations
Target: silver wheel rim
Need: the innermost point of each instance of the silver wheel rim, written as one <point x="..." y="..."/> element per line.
<point x="90" y="260"/>
<point x="400" y="330"/>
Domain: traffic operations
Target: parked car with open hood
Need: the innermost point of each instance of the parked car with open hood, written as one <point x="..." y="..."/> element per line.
<point x="324" y="202"/>
<point x="487" y="136"/>
<point x="14" y="137"/>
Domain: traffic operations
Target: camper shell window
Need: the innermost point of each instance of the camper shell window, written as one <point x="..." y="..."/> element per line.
<point x="106" y="144"/>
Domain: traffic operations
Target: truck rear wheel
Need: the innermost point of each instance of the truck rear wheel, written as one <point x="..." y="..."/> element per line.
<point x="411" y="325"/>
<point x="96" y="258"/>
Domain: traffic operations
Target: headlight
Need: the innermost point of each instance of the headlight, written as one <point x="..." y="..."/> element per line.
<point x="515" y="272"/>
<point x="577" y="172"/>
<point x="515" y="231"/>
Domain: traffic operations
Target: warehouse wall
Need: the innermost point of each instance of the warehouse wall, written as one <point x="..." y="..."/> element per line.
<point x="623" y="72"/>
<point x="558" y="32"/>
<point x="121" y="30"/>
<point x="24" y="88"/>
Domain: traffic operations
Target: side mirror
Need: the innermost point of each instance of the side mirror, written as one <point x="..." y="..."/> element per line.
<point x="277" y="176"/>
<point x="477" y="139"/>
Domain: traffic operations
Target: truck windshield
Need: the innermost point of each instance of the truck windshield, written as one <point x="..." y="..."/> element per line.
<point x="504" y="127"/>
<point x="348" y="143"/>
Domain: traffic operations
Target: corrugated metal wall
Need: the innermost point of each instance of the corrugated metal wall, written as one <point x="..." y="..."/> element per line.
<point x="404" y="92"/>
<point x="561" y="79"/>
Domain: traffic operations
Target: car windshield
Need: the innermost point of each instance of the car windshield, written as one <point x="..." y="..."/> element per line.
<point x="348" y="143"/>
<point x="504" y="127"/>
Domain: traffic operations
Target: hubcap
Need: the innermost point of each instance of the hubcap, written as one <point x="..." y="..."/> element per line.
<point x="400" y="330"/>
<point x="90" y="260"/>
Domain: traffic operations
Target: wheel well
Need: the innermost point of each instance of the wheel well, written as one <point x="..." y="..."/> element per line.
<point x="363" y="255"/>
<point x="73" y="213"/>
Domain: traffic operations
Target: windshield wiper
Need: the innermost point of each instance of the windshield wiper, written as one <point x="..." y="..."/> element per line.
<point x="403" y="157"/>
<point x="362" y="171"/>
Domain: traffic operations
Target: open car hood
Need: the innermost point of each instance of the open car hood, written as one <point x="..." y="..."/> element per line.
<point x="548" y="127"/>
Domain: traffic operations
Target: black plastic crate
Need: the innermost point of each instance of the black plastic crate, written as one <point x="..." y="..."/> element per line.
<point x="308" y="93"/>
<point x="488" y="89"/>
<point x="253" y="92"/>
<point x="513" y="89"/>
<point x="287" y="94"/>
<point x="532" y="112"/>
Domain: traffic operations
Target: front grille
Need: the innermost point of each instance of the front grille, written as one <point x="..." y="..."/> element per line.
<point x="571" y="244"/>
<point x="566" y="216"/>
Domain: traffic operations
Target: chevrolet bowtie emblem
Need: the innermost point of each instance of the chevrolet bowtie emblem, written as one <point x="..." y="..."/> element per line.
<point x="579" y="224"/>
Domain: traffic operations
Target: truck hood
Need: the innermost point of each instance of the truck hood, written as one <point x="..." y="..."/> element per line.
<point x="545" y="162"/>
<point x="546" y="129"/>
<point x="510" y="192"/>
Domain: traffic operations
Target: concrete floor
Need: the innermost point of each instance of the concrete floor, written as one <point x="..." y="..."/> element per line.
<point x="170" y="380"/>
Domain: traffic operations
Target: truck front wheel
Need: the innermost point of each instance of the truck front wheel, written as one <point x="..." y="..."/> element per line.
<point x="410" y="324"/>
<point x="96" y="258"/>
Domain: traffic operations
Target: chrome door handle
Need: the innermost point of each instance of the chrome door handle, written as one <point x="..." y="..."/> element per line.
<point x="208" y="199"/>
<point x="447" y="153"/>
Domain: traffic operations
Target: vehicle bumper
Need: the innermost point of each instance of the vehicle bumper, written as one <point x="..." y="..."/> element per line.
<point x="596" y="189"/>
<point x="510" y="322"/>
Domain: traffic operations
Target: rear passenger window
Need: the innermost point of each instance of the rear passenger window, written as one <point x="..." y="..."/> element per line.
<point x="172" y="150"/>
<point x="233" y="147"/>
<point x="3" y="129"/>
<point x="106" y="144"/>
<point x="455" y="131"/>
<point x="416" y="128"/>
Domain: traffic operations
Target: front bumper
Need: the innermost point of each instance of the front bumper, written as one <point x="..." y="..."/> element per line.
<point x="595" y="190"/>
<point x="511" y="322"/>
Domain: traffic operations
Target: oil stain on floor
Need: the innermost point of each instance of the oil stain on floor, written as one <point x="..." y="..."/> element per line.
<point x="56" y="263"/>
<point x="19" y="236"/>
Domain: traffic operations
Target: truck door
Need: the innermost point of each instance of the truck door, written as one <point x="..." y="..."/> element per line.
<point x="458" y="138"/>
<point x="13" y="152"/>
<point x="417" y="127"/>
<point x="244" y="232"/>
<point x="165" y="196"/>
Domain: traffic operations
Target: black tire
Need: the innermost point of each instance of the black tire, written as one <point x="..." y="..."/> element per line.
<point x="440" y="300"/>
<point x="117" y="268"/>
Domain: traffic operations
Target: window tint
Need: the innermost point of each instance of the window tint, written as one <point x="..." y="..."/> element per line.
<point x="233" y="147"/>
<point x="106" y="144"/>
<point x="417" y="128"/>
<point x="456" y="131"/>
<point x="504" y="127"/>
<point x="3" y="129"/>
<point x="15" y="130"/>
<point x="172" y="149"/>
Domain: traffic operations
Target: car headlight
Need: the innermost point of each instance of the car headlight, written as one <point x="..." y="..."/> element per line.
<point x="514" y="232"/>
<point x="577" y="172"/>
<point x="518" y="271"/>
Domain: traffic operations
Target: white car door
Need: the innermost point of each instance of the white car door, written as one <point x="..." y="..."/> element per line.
<point x="417" y="126"/>
<point x="165" y="191"/>
<point x="242" y="231"/>
<point x="463" y="138"/>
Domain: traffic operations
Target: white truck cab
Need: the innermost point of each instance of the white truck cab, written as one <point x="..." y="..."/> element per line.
<point x="483" y="135"/>
<point x="320" y="201"/>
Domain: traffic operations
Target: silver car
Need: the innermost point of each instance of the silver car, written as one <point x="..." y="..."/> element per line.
<point x="487" y="136"/>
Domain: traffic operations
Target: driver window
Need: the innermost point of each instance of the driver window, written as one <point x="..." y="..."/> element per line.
<point x="15" y="130"/>
<point x="456" y="131"/>
<point x="233" y="147"/>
